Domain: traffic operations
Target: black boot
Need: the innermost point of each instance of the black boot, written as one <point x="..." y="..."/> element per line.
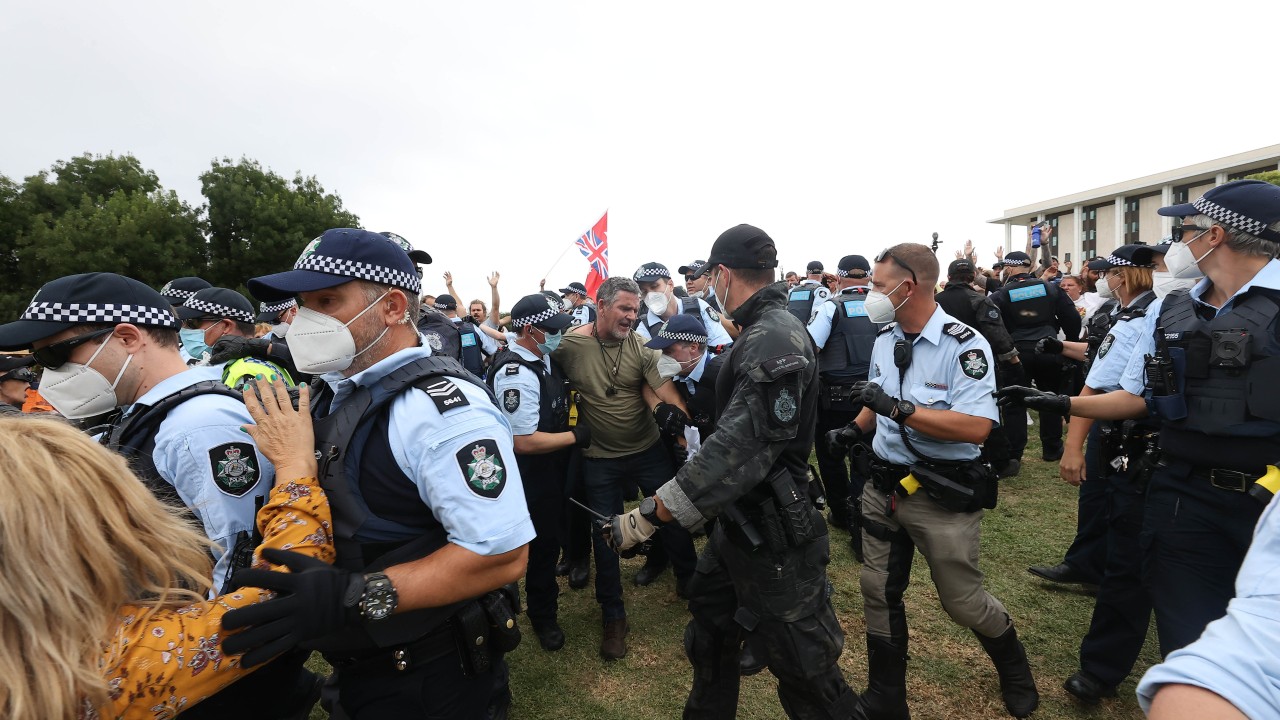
<point x="886" y="695"/>
<point x="1016" y="684"/>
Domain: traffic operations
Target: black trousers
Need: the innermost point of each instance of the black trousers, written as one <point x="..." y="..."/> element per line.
<point x="841" y="481"/>
<point x="544" y="483"/>
<point x="281" y="688"/>
<point x="1047" y="372"/>
<point x="435" y="689"/>
<point x="1088" y="551"/>
<point x="575" y="523"/>
<point x="781" y="600"/>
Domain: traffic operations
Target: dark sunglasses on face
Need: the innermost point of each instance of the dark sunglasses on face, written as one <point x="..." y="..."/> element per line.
<point x="52" y="357"/>
<point x="690" y="278"/>
<point x="23" y="374"/>
<point x="195" y="323"/>
<point x="885" y="254"/>
<point x="1179" y="231"/>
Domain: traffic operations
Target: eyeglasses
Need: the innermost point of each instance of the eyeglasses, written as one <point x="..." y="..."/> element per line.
<point x="885" y="254"/>
<point x="690" y="278"/>
<point x="52" y="357"/>
<point x="23" y="374"/>
<point x="194" y="323"/>
<point x="1180" y="230"/>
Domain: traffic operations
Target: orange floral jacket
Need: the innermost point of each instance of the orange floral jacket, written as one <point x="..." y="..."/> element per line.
<point x="174" y="660"/>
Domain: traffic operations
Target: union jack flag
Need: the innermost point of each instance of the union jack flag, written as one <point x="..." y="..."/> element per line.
<point x="594" y="246"/>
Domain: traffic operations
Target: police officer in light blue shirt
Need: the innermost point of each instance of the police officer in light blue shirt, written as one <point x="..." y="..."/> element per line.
<point x="661" y="303"/>
<point x="278" y="315"/>
<point x="429" y="510"/>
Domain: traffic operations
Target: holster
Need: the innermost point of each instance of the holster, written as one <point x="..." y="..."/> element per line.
<point x="487" y="628"/>
<point x="780" y="513"/>
<point x="837" y="396"/>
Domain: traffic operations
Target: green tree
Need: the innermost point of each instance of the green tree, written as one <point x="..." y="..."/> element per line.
<point x="258" y="222"/>
<point x="1272" y="177"/>
<point x="13" y="220"/>
<point x="97" y="177"/>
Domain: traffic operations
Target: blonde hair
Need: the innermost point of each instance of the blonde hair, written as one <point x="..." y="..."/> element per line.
<point x="81" y="537"/>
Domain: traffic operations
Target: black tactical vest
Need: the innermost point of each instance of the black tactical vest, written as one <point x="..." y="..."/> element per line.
<point x="702" y="403"/>
<point x="800" y="301"/>
<point x="1229" y="375"/>
<point x="441" y="334"/>
<point x="1030" y="313"/>
<point x="957" y="302"/>
<point x="688" y="306"/>
<point x="553" y="390"/>
<point x="379" y="520"/>
<point x="846" y="356"/>
<point x="472" y="355"/>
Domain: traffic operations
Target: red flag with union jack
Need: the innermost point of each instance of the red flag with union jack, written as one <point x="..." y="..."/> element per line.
<point x="594" y="246"/>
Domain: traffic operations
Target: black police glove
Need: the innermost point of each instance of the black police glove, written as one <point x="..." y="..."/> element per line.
<point x="671" y="419"/>
<point x="581" y="435"/>
<point x="234" y="347"/>
<point x="1012" y="374"/>
<point x="1033" y="399"/>
<point x="314" y="600"/>
<point x="841" y="439"/>
<point x="873" y="396"/>
<point x="1048" y="346"/>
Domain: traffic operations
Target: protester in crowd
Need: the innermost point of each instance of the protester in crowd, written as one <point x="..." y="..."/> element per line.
<point x="792" y="279"/>
<point x="140" y="641"/>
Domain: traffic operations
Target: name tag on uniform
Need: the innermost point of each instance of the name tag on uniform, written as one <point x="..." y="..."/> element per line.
<point x="801" y="294"/>
<point x="468" y="340"/>
<point x="1028" y="293"/>
<point x="855" y="308"/>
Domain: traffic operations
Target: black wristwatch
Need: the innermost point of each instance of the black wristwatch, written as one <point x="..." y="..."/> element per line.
<point x="649" y="510"/>
<point x="379" y="598"/>
<point x="902" y="411"/>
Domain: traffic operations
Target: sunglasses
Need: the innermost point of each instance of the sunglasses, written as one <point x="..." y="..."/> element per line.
<point x="1180" y="231"/>
<point x="194" y="323"/>
<point x="24" y="374"/>
<point x="690" y="278"/>
<point x="52" y="357"/>
<point x="886" y="255"/>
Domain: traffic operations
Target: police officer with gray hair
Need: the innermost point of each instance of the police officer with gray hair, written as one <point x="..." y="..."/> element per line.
<point x="929" y="400"/>
<point x="763" y="570"/>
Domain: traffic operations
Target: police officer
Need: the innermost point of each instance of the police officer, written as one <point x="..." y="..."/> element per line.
<point x="692" y="367"/>
<point x="844" y="337"/>
<point x="215" y="313"/>
<point x="959" y="300"/>
<point x="804" y="299"/>
<point x="16" y="377"/>
<point x="928" y="398"/>
<point x="474" y="345"/>
<point x="695" y="283"/>
<point x="1033" y="309"/>
<point x="579" y="306"/>
<point x="659" y="298"/>
<point x="106" y="342"/>
<point x="763" y="570"/>
<point x="429" y="509"/>
<point x="1203" y="367"/>
<point x="177" y="290"/>
<point x="278" y="315"/>
<point x="533" y="393"/>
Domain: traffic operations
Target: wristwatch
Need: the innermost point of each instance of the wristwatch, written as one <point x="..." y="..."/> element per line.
<point x="379" y="598"/>
<point x="902" y="411"/>
<point x="649" y="510"/>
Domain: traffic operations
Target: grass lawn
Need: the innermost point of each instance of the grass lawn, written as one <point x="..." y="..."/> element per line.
<point x="949" y="676"/>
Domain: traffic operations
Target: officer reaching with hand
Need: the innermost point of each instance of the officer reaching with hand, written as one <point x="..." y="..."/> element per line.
<point x="429" y="510"/>
<point x="929" y="400"/>
<point x="763" y="571"/>
<point x="534" y="394"/>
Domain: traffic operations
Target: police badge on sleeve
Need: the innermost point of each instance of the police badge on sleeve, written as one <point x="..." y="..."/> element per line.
<point x="483" y="468"/>
<point x="511" y="400"/>
<point x="234" y="466"/>
<point x="974" y="363"/>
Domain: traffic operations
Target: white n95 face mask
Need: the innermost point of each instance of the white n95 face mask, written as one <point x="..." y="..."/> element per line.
<point x="656" y="302"/>
<point x="1182" y="263"/>
<point x="323" y="344"/>
<point x="880" y="308"/>
<point x="669" y="367"/>
<point x="1163" y="283"/>
<point x="78" y="391"/>
<point x="1104" y="287"/>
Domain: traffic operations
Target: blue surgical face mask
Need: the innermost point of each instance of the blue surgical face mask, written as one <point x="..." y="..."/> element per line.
<point x="193" y="343"/>
<point x="550" y="341"/>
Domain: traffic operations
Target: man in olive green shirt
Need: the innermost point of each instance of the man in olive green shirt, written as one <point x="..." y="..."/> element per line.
<point x="624" y="400"/>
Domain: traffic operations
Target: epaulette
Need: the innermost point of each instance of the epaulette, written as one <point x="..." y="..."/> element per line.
<point x="959" y="331"/>
<point x="1131" y="315"/>
<point x="887" y="328"/>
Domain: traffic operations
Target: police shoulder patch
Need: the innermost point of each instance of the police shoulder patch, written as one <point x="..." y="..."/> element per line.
<point x="511" y="399"/>
<point x="959" y="331"/>
<point x="783" y="365"/>
<point x="973" y="363"/>
<point x="784" y="405"/>
<point x="234" y="466"/>
<point x="446" y="395"/>
<point x="711" y="313"/>
<point x="483" y="468"/>
<point x="433" y="341"/>
<point x="993" y="313"/>
<point x="1105" y="347"/>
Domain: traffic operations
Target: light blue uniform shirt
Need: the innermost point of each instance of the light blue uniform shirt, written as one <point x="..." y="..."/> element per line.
<point x="527" y="389"/>
<point x="427" y="446"/>
<point x="820" y="325"/>
<point x="716" y="334"/>
<point x="1134" y="378"/>
<point x="1238" y="656"/>
<point x="945" y="374"/>
<point x="202" y="452"/>
<point x="1116" y="349"/>
<point x="695" y="375"/>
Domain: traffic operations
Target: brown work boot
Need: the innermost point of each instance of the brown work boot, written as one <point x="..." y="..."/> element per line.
<point x="614" y="645"/>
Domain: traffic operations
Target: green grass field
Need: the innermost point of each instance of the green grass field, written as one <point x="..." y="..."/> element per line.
<point x="949" y="676"/>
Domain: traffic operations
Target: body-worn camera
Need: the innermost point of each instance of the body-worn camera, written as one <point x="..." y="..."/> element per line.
<point x="1230" y="349"/>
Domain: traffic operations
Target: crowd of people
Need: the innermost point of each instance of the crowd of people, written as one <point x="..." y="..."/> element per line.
<point x="353" y="467"/>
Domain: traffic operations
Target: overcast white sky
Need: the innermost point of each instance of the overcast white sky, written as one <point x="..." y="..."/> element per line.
<point x="492" y="134"/>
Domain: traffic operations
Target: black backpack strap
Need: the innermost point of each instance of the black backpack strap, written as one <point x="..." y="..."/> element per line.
<point x="125" y="436"/>
<point x="691" y="307"/>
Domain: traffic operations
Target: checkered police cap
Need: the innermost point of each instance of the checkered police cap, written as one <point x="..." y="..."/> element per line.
<point x="651" y="271"/>
<point x="87" y="299"/>
<point x="340" y="256"/>
<point x="177" y="290"/>
<point x="276" y="307"/>
<point x="680" y="328"/>
<point x="667" y="334"/>
<point x="1017" y="259"/>
<point x="217" y="302"/>
<point x="1248" y="205"/>
<point x="539" y="310"/>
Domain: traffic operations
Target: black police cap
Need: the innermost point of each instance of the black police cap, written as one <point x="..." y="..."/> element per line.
<point x="743" y="247"/>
